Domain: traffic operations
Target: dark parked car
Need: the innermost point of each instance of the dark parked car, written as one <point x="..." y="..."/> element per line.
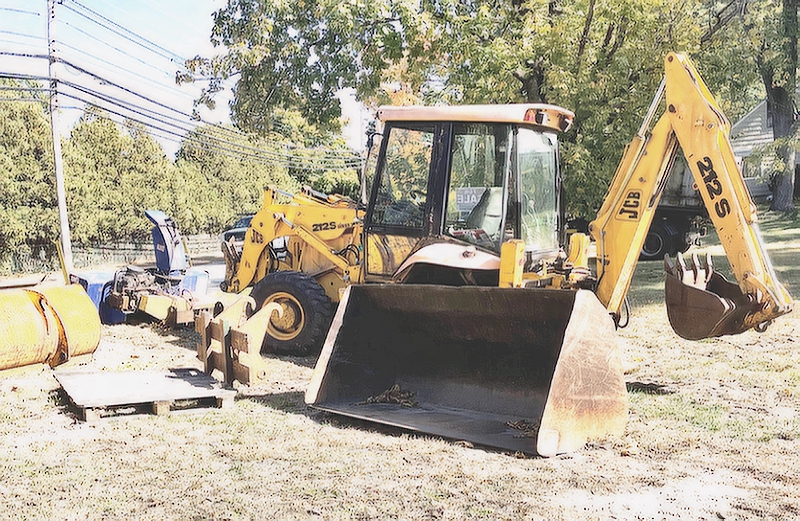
<point x="237" y="231"/>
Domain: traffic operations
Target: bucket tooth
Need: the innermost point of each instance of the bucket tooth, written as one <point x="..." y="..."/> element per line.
<point x="522" y="369"/>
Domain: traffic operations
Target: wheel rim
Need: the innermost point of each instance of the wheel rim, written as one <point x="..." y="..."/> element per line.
<point x="291" y="323"/>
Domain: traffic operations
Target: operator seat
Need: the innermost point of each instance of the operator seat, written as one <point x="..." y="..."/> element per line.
<point x="488" y="213"/>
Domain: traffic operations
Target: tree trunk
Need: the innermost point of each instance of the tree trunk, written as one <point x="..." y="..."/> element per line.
<point x="781" y="100"/>
<point x="783" y="190"/>
<point x="781" y="107"/>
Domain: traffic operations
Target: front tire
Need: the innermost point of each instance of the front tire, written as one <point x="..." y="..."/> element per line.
<point x="307" y="312"/>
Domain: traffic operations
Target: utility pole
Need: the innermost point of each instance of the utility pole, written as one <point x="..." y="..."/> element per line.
<point x="61" y="193"/>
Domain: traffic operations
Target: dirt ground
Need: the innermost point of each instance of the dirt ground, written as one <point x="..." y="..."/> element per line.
<point x="713" y="433"/>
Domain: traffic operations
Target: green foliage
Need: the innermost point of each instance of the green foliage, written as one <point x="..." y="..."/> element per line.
<point x="766" y="33"/>
<point x="219" y="185"/>
<point x="27" y="183"/>
<point x="114" y="173"/>
<point x="600" y="58"/>
<point x="298" y="55"/>
<point x="111" y="178"/>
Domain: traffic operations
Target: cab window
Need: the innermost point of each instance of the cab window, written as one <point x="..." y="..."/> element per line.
<point x="403" y="185"/>
<point x="538" y="170"/>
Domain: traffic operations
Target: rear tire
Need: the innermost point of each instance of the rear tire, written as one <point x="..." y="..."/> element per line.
<point x="307" y="312"/>
<point x="657" y="243"/>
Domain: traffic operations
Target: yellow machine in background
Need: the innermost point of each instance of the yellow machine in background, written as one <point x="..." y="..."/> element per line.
<point x="299" y="254"/>
<point x="461" y="313"/>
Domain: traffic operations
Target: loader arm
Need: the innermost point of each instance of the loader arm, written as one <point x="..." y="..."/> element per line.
<point x="694" y="122"/>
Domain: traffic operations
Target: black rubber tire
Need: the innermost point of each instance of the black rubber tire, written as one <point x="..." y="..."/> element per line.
<point x="307" y="312"/>
<point x="657" y="243"/>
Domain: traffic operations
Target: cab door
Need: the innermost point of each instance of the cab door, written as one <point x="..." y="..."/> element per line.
<point x="402" y="201"/>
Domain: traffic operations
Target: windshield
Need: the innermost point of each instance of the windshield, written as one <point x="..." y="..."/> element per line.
<point x="476" y="200"/>
<point x="485" y="208"/>
<point x="536" y="159"/>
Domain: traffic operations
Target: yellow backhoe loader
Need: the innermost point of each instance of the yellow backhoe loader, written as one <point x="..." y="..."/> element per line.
<point x="461" y="312"/>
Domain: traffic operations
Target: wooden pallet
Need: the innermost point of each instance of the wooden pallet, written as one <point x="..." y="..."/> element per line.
<point x="99" y="394"/>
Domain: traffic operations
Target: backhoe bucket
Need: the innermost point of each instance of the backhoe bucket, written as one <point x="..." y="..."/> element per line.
<point x="701" y="303"/>
<point x="530" y="370"/>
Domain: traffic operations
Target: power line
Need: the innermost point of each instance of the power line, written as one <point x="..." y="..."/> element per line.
<point x="167" y="107"/>
<point x="19" y="76"/>
<point x="191" y="135"/>
<point x="328" y="159"/>
<point x="290" y="162"/>
<point x="20" y="11"/>
<point x="125" y="29"/>
<point x="135" y="35"/>
<point x="154" y="9"/>
<point x="12" y="42"/>
<point x="25" y="89"/>
<point x="154" y="47"/>
<point x="24" y="55"/>
<point x="156" y="116"/>
<point x="124" y="89"/>
<point x="118" y="67"/>
<point x="201" y="144"/>
<point x="22" y="35"/>
<point x="166" y="53"/>
<point x="23" y="100"/>
<point x="158" y="119"/>
<point x="100" y="40"/>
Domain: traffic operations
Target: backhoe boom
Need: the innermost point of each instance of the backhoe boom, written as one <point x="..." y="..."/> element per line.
<point x="694" y="122"/>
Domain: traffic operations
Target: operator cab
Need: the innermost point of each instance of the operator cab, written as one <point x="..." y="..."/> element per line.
<point x="451" y="184"/>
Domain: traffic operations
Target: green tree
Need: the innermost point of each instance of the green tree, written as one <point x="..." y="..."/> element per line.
<point x="600" y="58"/>
<point x="28" y="218"/>
<point x="777" y="64"/>
<point x="224" y="174"/>
<point x="112" y="175"/>
<point x="764" y="34"/>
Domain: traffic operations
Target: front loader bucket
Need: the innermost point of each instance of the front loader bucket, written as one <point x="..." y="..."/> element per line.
<point x="530" y="370"/>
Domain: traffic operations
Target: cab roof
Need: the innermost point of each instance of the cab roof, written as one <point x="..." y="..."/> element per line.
<point x="540" y="115"/>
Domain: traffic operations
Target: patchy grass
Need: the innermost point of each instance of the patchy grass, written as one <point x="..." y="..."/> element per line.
<point x="713" y="433"/>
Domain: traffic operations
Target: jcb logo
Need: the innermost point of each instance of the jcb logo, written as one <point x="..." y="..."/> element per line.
<point x="629" y="211"/>
<point x="713" y="187"/>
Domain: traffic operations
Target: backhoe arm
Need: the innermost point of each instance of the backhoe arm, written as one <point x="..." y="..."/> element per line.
<point x="700" y="302"/>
